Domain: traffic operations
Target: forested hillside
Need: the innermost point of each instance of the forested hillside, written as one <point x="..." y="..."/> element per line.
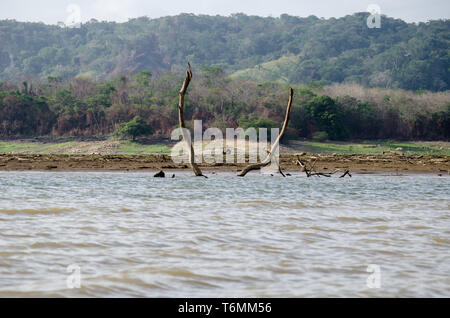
<point x="286" y="49"/>
<point x="84" y="107"/>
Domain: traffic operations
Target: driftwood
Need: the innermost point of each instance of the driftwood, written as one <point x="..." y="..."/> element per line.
<point x="268" y="159"/>
<point x="187" y="138"/>
<point x="347" y="172"/>
<point x="310" y="172"/>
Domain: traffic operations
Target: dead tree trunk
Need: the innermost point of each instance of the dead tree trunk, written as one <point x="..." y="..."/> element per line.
<point x="268" y="159"/>
<point x="183" y="128"/>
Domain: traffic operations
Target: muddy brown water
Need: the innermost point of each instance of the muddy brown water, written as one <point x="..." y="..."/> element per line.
<point x="130" y="234"/>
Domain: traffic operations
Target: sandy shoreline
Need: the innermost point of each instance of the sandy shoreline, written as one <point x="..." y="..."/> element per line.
<point x="439" y="164"/>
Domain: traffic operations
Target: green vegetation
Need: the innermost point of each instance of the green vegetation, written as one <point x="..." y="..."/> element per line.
<point x="79" y="147"/>
<point x="287" y="49"/>
<point x="134" y="128"/>
<point x="320" y="136"/>
<point x="257" y="123"/>
<point x="34" y="147"/>
<point x="106" y="78"/>
<point x="142" y="104"/>
<point x="132" y="148"/>
<point x="372" y="147"/>
<point x="349" y="80"/>
<point x="324" y="112"/>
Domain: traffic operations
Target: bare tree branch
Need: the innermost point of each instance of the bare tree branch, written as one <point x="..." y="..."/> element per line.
<point x="186" y="138"/>
<point x="311" y="172"/>
<point x="267" y="161"/>
<point x="347" y="172"/>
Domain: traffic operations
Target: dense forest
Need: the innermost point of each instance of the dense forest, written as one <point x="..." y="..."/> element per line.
<point x="85" y="107"/>
<point x="286" y="49"/>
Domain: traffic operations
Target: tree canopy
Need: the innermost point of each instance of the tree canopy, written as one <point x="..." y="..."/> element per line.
<point x="139" y="104"/>
<point x="286" y="49"/>
<point x="134" y="128"/>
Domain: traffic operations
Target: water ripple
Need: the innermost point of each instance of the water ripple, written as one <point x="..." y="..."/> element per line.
<point x="132" y="235"/>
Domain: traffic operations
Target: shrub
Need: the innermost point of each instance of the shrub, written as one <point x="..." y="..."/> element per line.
<point x="320" y="136"/>
<point x="134" y="128"/>
<point x="327" y="116"/>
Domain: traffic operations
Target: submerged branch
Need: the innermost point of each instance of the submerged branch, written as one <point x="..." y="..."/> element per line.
<point x="310" y="172"/>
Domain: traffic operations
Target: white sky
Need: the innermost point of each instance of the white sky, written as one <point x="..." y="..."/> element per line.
<point x="52" y="11"/>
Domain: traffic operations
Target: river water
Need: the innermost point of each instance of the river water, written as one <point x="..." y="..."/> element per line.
<point x="129" y="234"/>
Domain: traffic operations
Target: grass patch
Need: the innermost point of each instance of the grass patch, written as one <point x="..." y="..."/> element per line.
<point x="53" y="148"/>
<point x="32" y="147"/>
<point x="129" y="147"/>
<point x="272" y="71"/>
<point x="18" y="147"/>
<point x="374" y="147"/>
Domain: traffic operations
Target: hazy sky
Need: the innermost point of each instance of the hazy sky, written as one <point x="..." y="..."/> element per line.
<point x="52" y="11"/>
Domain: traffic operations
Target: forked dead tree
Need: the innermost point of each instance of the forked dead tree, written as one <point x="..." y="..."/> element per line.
<point x="183" y="128"/>
<point x="270" y="155"/>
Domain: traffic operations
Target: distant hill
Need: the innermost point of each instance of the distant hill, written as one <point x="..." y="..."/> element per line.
<point x="287" y="49"/>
